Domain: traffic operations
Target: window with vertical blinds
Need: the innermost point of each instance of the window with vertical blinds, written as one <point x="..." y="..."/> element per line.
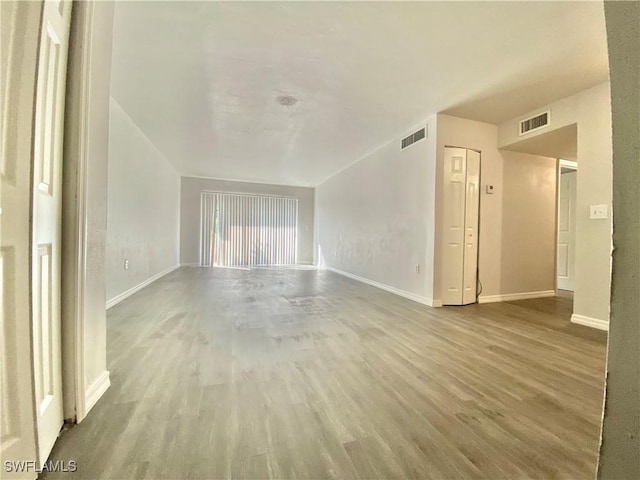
<point x="245" y="230"/>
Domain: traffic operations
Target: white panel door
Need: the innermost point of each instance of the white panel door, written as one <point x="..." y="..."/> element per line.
<point x="472" y="210"/>
<point x="47" y="221"/>
<point x="454" y="186"/>
<point x="18" y="58"/>
<point x="567" y="230"/>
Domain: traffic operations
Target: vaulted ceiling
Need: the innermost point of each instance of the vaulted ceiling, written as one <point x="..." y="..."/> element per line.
<point x="205" y="80"/>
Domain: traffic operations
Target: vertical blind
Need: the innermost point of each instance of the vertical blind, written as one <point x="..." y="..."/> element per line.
<point x="245" y="230"/>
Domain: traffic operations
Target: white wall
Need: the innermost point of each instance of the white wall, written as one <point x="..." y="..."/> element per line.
<point x="192" y="187"/>
<point x="458" y="132"/>
<point x="594" y="187"/>
<point x="94" y="300"/>
<point x="376" y="218"/>
<point x="516" y="249"/>
<point x="85" y="207"/>
<point x="529" y="224"/>
<point x="591" y="111"/>
<point x="143" y="207"/>
<point x="380" y="217"/>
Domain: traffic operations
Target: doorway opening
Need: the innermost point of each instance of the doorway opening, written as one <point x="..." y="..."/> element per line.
<point x="566" y="229"/>
<point x="565" y="263"/>
<point x="561" y="144"/>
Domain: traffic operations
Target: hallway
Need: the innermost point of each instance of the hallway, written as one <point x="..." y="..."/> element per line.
<point x="292" y="373"/>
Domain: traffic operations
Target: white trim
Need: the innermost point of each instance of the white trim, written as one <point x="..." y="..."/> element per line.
<point x="96" y="390"/>
<point x="126" y="294"/>
<point x="85" y="23"/>
<point x="411" y="296"/>
<point x="191" y="265"/>
<point x="510" y="297"/>
<point x="590" y="322"/>
<point x="568" y="164"/>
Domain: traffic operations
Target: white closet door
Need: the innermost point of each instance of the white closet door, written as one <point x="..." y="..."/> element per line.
<point x="455" y="173"/>
<point x="460" y="213"/>
<point x="472" y="204"/>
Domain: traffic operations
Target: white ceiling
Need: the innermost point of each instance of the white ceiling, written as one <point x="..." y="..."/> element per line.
<point x="201" y="79"/>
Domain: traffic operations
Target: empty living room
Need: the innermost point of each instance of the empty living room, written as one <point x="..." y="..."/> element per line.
<point x="318" y="239"/>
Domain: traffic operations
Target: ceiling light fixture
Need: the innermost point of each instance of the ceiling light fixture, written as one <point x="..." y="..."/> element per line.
<point x="286" y="100"/>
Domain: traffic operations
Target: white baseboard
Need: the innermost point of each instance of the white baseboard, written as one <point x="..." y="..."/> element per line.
<point x="96" y="390"/>
<point x="510" y="297"/>
<point x="118" y="298"/>
<point x="190" y="265"/>
<point x="411" y="296"/>
<point x="590" y="322"/>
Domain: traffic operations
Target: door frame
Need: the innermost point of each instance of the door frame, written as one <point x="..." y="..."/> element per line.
<point x="74" y="220"/>
<point x="91" y="30"/>
<point x="572" y="165"/>
<point x="74" y="224"/>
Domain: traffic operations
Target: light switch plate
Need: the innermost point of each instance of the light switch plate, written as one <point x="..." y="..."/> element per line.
<point x="597" y="212"/>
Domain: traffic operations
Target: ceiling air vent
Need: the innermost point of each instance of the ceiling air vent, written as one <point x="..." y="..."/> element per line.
<point x="534" y="123"/>
<point x="414" y="137"/>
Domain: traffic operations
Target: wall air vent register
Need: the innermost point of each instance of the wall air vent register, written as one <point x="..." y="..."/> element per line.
<point x="413" y="138"/>
<point x="534" y="123"/>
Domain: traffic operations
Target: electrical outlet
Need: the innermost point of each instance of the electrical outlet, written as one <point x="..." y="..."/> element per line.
<point x="126" y="264"/>
<point x="417" y="268"/>
<point x="597" y="212"/>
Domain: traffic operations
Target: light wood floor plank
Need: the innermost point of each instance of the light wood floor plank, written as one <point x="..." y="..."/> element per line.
<point x="290" y="373"/>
